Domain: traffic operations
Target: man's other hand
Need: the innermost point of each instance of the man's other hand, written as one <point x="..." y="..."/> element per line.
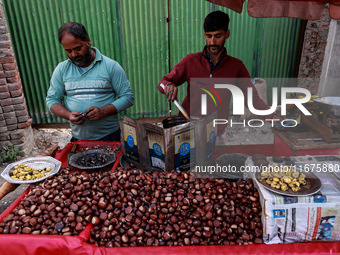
<point x="76" y="118"/>
<point x="170" y="91"/>
<point x="94" y="113"/>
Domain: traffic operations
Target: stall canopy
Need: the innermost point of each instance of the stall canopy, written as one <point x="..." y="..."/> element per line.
<point x="301" y="9"/>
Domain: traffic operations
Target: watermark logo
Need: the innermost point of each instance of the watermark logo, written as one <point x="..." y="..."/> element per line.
<point x="204" y="98"/>
<point x="238" y="104"/>
<point x="239" y="100"/>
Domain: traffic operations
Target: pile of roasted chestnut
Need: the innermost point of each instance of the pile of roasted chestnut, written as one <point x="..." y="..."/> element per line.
<point x="134" y="208"/>
<point x="92" y="160"/>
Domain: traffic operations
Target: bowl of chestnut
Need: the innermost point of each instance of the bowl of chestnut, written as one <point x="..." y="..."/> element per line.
<point x="92" y="159"/>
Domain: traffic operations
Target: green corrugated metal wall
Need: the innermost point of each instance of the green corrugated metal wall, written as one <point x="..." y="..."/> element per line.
<point x="145" y="45"/>
<point x="267" y="46"/>
<point x="33" y="27"/>
<point x="136" y="34"/>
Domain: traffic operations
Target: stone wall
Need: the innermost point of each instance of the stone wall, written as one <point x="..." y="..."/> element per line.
<point x="15" y="122"/>
<point x="313" y="52"/>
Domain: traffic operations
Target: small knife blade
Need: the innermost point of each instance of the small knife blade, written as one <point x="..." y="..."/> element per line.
<point x="178" y="105"/>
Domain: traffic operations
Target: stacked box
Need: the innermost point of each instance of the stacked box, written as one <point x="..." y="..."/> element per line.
<point x="170" y="148"/>
<point x="151" y="147"/>
<point x="180" y="147"/>
<point x="130" y="140"/>
<point x="207" y="143"/>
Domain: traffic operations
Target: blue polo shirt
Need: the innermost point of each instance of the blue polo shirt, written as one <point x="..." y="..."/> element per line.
<point x="104" y="82"/>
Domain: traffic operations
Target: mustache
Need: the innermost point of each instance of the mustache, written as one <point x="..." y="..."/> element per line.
<point x="77" y="58"/>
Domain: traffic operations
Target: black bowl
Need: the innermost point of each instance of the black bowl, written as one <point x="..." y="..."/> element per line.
<point x="173" y="121"/>
<point x="76" y="158"/>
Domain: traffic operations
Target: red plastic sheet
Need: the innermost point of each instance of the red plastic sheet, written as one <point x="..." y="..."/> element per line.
<point x="77" y="245"/>
<point x="334" y="9"/>
<point x="62" y="155"/>
<point x="301" y="9"/>
<point x="235" y="5"/>
<point x="309" y="10"/>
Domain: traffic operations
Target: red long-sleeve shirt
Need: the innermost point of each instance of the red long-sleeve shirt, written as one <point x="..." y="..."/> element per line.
<point x="199" y="65"/>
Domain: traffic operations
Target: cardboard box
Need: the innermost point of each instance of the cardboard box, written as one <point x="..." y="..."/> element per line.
<point x="170" y="148"/>
<point x="149" y="146"/>
<point x="207" y="138"/>
<point x="131" y="141"/>
<point x="180" y="147"/>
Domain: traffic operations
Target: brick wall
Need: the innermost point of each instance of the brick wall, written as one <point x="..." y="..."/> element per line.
<point x="313" y="52"/>
<point x="15" y="122"/>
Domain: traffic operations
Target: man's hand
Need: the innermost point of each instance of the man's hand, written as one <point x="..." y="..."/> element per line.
<point x="76" y="118"/>
<point x="94" y="113"/>
<point x="171" y="91"/>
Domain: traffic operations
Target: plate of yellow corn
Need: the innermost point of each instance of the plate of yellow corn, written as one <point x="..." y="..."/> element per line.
<point x="31" y="170"/>
<point x="289" y="181"/>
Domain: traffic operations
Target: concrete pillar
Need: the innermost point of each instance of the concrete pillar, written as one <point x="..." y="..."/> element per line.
<point x="313" y="52"/>
<point x="330" y="76"/>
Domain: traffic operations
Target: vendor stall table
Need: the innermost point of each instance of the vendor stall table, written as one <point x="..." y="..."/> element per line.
<point x="265" y="149"/>
<point x="300" y="144"/>
<point x="52" y="244"/>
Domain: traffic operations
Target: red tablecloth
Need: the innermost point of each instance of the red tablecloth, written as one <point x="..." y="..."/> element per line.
<point x="77" y="245"/>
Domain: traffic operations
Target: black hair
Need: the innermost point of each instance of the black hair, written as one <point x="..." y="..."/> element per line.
<point x="215" y="21"/>
<point x="76" y="29"/>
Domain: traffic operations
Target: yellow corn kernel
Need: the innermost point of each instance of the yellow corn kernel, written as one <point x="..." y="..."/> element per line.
<point x="295" y="174"/>
<point x="273" y="185"/>
<point x="302" y="181"/>
<point x="284" y="187"/>
<point x="295" y="189"/>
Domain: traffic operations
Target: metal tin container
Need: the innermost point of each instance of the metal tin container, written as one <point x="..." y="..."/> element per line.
<point x="329" y="105"/>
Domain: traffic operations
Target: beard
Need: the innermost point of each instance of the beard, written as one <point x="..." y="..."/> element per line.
<point x="216" y="51"/>
<point x="82" y="60"/>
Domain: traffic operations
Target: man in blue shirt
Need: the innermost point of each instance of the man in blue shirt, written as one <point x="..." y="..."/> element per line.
<point x="94" y="87"/>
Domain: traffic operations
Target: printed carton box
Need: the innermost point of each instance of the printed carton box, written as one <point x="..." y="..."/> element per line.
<point x="170" y="148"/>
<point x="151" y="147"/>
<point x="130" y="141"/>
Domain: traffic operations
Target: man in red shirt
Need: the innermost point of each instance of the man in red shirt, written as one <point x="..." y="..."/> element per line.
<point x="213" y="62"/>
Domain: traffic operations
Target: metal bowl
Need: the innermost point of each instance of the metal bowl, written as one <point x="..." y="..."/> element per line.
<point x="123" y="162"/>
<point x="236" y="161"/>
<point x="173" y="121"/>
<point x="77" y="157"/>
<point x="34" y="162"/>
<point x="329" y="105"/>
